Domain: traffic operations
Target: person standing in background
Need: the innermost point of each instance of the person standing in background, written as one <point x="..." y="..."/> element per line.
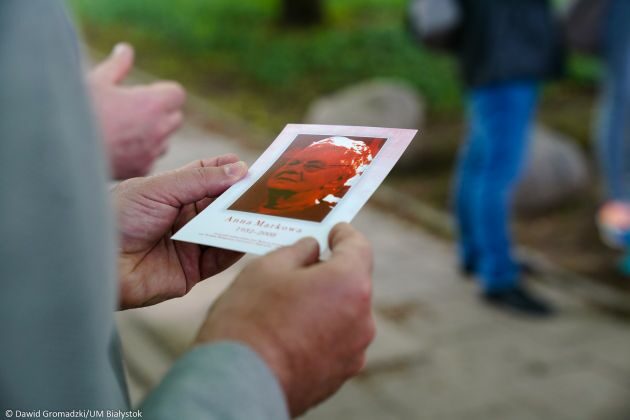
<point x="613" y="144"/>
<point x="506" y="49"/>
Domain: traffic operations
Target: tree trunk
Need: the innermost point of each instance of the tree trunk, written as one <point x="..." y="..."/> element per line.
<point x="302" y="12"/>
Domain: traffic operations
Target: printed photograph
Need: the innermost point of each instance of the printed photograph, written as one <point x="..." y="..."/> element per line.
<point x="311" y="177"/>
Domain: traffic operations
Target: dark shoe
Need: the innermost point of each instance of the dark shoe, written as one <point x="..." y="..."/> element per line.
<point x="468" y="271"/>
<point x="519" y="300"/>
<point x="528" y="269"/>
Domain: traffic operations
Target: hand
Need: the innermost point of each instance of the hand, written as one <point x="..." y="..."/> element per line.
<point x="310" y="321"/>
<point x="136" y="120"/>
<point x="152" y="268"/>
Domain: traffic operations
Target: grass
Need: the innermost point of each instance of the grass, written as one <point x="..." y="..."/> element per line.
<point x="236" y="53"/>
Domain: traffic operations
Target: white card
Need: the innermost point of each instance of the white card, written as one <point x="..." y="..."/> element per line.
<point x="309" y="179"/>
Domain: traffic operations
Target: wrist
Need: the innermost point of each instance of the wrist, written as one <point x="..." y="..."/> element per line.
<point x="270" y="352"/>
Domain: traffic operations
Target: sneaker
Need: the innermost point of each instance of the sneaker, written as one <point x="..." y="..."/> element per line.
<point x="519" y="300"/>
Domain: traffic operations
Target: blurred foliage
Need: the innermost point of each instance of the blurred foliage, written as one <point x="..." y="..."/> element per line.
<point x="584" y="70"/>
<point x="236" y="53"/>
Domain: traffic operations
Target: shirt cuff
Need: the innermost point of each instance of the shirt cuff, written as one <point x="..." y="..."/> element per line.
<point x="224" y="380"/>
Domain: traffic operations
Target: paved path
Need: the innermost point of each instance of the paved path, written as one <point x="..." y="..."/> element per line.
<point x="439" y="353"/>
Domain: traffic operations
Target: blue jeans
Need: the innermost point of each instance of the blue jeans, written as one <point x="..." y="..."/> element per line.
<point x="613" y="145"/>
<point x="489" y="165"/>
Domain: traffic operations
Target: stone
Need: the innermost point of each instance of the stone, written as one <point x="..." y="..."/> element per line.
<point x="375" y="103"/>
<point x="555" y="171"/>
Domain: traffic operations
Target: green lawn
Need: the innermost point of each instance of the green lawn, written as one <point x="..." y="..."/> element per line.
<point x="234" y="51"/>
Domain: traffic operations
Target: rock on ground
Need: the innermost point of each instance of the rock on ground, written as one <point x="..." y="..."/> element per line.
<point x="556" y="170"/>
<point x="375" y="103"/>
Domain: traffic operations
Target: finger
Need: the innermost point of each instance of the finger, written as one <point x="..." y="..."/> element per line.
<point x="186" y="214"/>
<point x="162" y="150"/>
<point x="357" y="364"/>
<point x="170" y="96"/>
<point x="303" y="253"/>
<point x="168" y="125"/>
<point x="186" y="186"/>
<point x="189" y="255"/>
<point x="117" y="66"/>
<point x="202" y="204"/>
<point x="213" y="161"/>
<point x="214" y="261"/>
<point x="189" y="212"/>
<point x="350" y="246"/>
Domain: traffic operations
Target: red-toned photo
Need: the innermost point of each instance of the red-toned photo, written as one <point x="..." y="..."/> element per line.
<point x="310" y="177"/>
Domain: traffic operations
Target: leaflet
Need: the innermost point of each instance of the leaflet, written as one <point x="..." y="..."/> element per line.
<point x="309" y="179"/>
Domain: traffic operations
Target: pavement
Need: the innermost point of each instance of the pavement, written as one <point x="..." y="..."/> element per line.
<point x="439" y="352"/>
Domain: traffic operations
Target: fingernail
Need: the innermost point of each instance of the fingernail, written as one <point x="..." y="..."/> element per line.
<point x="234" y="170"/>
<point x="119" y="48"/>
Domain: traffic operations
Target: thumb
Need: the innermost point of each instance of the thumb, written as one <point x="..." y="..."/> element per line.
<point x="303" y="253"/>
<point x="189" y="185"/>
<point x="349" y="246"/>
<point x="116" y="67"/>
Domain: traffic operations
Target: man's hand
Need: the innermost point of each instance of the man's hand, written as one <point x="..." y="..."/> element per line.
<point x="136" y="120"/>
<point x="152" y="268"/>
<point x="310" y="321"/>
